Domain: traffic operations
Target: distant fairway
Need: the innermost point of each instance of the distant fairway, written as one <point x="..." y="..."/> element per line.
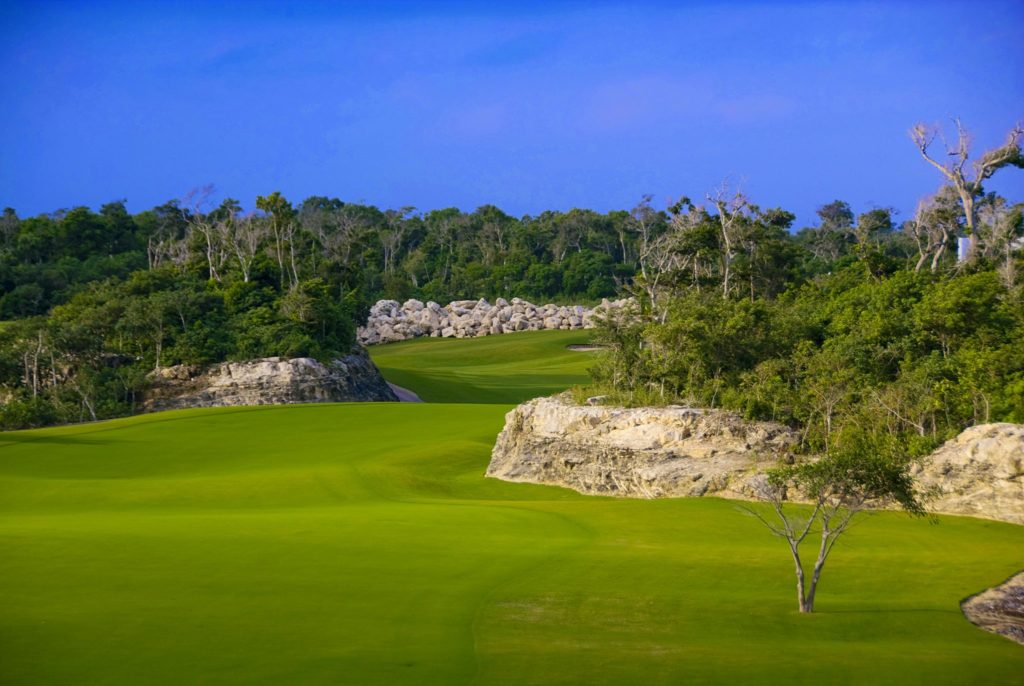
<point x="509" y="368"/>
<point x="360" y="544"/>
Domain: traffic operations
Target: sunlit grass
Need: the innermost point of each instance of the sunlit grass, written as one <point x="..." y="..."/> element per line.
<point x="509" y="368"/>
<point x="360" y="544"/>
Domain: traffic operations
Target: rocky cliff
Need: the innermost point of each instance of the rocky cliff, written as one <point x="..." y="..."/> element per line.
<point x="678" y="451"/>
<point x="642" y="452"/>
<point x="978" y="473"/>
<point x="391" y="321"/>
<point x="269" y="381"/>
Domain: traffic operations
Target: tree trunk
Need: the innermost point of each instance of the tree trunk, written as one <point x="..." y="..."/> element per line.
<point x="922" y="257"/>
<point x="937" y="259"/>
<point x="801" y="601"/>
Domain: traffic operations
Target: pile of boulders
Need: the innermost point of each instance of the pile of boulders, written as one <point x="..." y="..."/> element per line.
<point x="391" y="321"/>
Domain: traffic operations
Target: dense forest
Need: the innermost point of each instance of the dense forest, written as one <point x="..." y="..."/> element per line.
<point x="734" y="307"/>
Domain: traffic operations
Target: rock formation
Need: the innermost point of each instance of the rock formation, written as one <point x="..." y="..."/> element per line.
<point x="999" y="609"/>
<point x="643" y="452"/>
<point x="269" y="381"/>
<point x="678" y="451"/>
<point x="391" y="321"/>
<point x="978" y="473"/>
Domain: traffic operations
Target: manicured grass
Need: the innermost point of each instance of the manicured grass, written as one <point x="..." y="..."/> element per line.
<point x="360" y="544"/>
<point x="509" y="368"/>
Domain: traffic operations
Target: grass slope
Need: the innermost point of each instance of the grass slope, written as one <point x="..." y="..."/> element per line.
<point x="359" y="544"/>
<point x="495" y="369"/>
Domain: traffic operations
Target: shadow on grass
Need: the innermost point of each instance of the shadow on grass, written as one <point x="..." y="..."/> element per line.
<point x="7" y="441"/>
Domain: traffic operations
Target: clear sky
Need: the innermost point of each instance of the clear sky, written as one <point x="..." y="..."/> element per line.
<point x="525" y="106"/>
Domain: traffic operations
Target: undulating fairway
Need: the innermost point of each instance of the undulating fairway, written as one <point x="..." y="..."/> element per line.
<point x="360" y="544"/>
<point x="494" y="369"/>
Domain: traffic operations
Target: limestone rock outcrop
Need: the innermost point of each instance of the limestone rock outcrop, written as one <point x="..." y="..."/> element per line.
<point x="679" y="451"/>
<point x="999" y="609"/>
<point x="978" y="473"/>
<point x="640" y="452"/>
<point x="390" y="321"/>
<point x="268" y="381"/>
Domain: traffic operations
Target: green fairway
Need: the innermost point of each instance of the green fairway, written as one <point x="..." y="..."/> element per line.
<point x="360" y="544"/>
<point x="495" y="369"/>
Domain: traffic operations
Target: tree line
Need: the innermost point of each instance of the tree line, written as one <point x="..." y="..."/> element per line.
<point x="734" y="302"/>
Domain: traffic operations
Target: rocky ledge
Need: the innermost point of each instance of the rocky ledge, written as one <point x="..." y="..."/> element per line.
<point x="391" y="321"/>
<point x="978" y="473"/>
<point x="268" y="381"/>
<point x="641" y="452"/>
<point x="999" y="609"/>
<point x="679" y="451"/>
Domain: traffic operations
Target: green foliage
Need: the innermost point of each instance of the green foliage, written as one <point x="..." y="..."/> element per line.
<point x="862" y="466"/>
<point x="813" y="326"/>
<point x="920" y="355"/>
<point x="89" y="358"/>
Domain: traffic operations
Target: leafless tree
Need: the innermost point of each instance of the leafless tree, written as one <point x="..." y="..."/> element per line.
<point x="936" y="222"/>
<point x="200" y="222"/>
<point x="1004" y="231"/>
<point x="346" y="235"/>
<point x="643" y="220"/>
<point x="968" y="179"/>
<point x="733" y="209"/>
<point x="392" y="236"/>
<point x="248" y="234"/>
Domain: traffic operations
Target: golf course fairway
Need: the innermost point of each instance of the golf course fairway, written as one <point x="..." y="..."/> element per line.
<point x="493" y="369"/>
<point x="360" y="544"/>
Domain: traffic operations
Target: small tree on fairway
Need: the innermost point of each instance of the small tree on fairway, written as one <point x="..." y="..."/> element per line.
<point x="860" y="470"/>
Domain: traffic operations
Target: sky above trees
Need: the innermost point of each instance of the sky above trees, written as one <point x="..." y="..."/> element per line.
<point x="528" y="106"/>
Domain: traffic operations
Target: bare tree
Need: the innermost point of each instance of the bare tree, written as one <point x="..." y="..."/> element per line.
<point x="392" y="236"/>
<point x="247" y="235"/>
<point x="968" y="180"/>
<point x="349" y="229"/>
<point x="1004" y="230"/>
<point x="733" y="211"/>
<point x="214" y="227"/>
<point x="643" y="220"/>
<point x="937" y="220"/>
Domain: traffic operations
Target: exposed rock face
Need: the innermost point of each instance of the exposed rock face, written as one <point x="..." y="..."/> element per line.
<point x="999" y="609"/>
<point x="644" y="452"/>
<point x="391" y="321"/>
<point x="979" y="473"/>
<point x="269" y="381"/>
<point x="677" y="451"/>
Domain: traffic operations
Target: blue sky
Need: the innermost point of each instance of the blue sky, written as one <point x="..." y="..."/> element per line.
<point x="525" y="106"/>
